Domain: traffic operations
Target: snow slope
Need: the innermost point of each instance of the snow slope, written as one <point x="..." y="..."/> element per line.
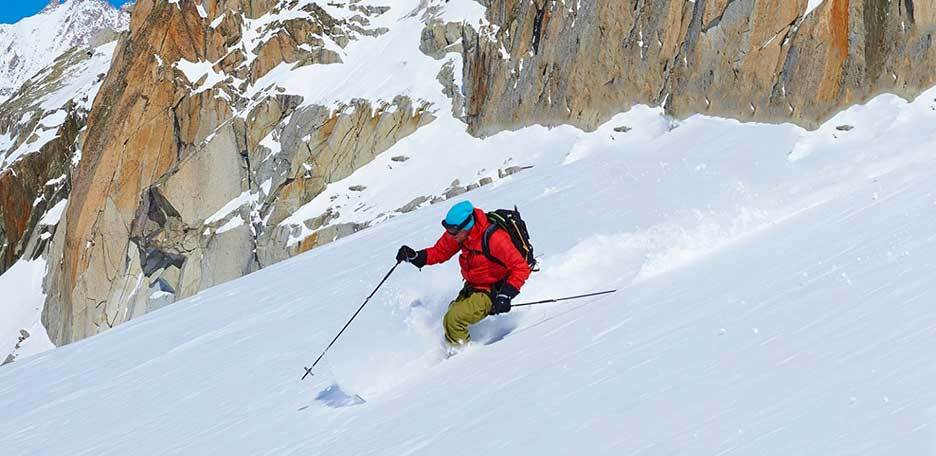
<point x="775" y="299"/>
<point x="22" y="309"/>
<point x="35" y="42"/>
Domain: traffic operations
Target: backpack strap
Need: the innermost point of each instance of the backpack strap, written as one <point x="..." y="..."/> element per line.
<point x="486" y="244"/>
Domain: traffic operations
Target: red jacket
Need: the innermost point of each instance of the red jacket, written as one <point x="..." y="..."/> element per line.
<point x="478" y="271"/>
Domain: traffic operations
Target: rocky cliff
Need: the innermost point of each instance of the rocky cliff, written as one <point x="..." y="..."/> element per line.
<point x="41" y="127"/>
<point x="548" y="62"/>
<point x="220" y="119"/>
<point x="51" y="66"/>
<point x="184" y="168"/>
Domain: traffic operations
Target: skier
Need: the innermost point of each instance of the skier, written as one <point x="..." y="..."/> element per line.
<point x="490" y="282"/>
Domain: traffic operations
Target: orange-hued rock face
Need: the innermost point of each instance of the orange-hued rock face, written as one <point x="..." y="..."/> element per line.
<point x="131" y="142"/>
<point x="835" y="23"/>
<point x="15" y="211"/>
<point x="167" y="150"/>
<point x="25" y="196"/>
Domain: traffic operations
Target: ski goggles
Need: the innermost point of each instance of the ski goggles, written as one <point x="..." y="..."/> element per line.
<point x="454" y="229"/>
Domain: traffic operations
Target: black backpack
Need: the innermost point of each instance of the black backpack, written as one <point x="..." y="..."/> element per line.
<point x="510" y="221"/>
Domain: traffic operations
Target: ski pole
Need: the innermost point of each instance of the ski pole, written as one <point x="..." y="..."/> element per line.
<point x="309" y="369"/>
<point x="563" y="299"/>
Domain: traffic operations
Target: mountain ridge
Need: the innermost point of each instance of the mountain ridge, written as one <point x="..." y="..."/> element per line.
<point x="34" y="42"/>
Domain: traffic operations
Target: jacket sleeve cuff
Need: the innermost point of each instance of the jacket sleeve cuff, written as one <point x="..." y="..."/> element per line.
<point x="420" y="259"/>
<point x="509" y="291"/>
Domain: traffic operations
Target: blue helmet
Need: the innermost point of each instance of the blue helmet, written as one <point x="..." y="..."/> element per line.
<point x="460" y="216"/>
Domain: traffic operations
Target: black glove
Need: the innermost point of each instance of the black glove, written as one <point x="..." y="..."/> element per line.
<point x="500" y="305"/>
<point x="406" y="253"/>
<point x="409" y="255"/>
<point x="501" y="301"/>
